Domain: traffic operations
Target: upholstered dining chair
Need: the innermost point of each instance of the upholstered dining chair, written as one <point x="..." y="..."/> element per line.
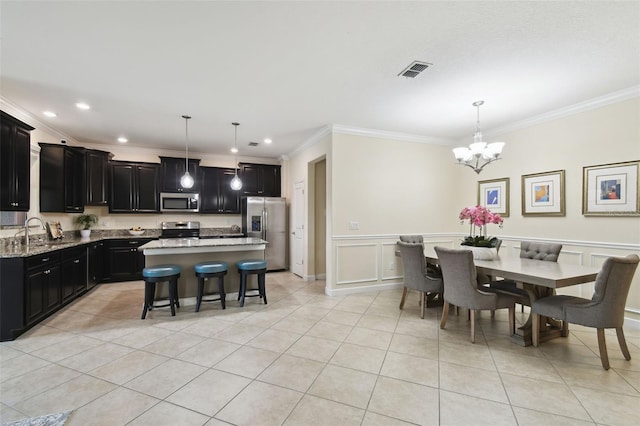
<point x="417" y="275"/>
<point x="604" y="310"/>
<point x="414" y="239"/>
<point x="461" y="288"/>
<point x="547" y="252"/>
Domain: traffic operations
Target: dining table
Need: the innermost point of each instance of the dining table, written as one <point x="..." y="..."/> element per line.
<point x="539" y="279"/>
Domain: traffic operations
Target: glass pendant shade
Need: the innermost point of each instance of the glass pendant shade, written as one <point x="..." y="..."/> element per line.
<point x="236" y="183"/>
<point x="186" y="181"/>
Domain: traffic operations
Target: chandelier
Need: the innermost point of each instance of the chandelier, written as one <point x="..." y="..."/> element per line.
<point x="479" y="153"/>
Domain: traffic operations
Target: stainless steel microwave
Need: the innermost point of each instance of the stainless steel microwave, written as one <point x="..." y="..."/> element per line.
<point x="179" y="202"/>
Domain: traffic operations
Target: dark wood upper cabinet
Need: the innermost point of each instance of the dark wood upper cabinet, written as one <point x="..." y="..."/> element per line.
<point x="216" y="194"/>
<point x="172" y="169"/>
<point x="134" y="187"/>
<point x="97" y="177"/>
<point x="62" y="178"/>
<point x="15" y="164"/>
<point x="263" y="180"/>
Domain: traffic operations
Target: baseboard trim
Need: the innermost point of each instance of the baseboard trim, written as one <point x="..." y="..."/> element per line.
<point x="361" y="289"/>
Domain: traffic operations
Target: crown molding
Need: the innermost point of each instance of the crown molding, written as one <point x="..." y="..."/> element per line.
<point x="311" y="140"/>
<point x="601" y="101"/>
<point x="373" y="133"/>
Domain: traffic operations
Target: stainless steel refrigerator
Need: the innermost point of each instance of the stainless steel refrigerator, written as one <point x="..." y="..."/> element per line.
<point x="266" y="218"/>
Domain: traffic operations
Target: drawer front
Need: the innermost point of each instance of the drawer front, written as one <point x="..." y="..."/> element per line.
<point x="43" y="260"/>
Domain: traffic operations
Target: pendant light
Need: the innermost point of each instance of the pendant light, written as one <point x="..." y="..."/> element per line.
<point x="186" y="181"/>
<point x="236" y="183"/>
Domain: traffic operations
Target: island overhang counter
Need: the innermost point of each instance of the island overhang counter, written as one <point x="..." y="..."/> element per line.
<point x="186" y="252"/>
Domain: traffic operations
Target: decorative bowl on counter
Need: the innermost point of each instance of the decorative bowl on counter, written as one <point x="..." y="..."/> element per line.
<point x="136" y="231"/>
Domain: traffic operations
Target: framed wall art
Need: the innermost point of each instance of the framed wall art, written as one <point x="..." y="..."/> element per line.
<point x="494" y="195"/>
<point x="611" y="189"/>
<point x="543" y="194"/>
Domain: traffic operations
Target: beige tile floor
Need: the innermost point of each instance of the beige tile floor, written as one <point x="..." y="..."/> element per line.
<point x="306" y="358"/>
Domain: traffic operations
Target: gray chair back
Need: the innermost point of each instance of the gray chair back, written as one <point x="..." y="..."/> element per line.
<point x="606" y="309"/>
<point x="414" y="239"/>
<point x="460" y="281"/>
<point x="416" y="273"/>
<point x="540" y="251"/>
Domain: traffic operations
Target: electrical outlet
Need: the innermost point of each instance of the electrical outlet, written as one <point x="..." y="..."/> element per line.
<point x="354" y="226"/>
<point x="392" y="266"/>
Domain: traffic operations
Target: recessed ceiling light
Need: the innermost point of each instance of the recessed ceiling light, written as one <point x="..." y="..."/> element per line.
<point x="50" y="114"/>
<point x="82" y="105"/>
<point x="234" y="150"/>
<point x="267" y="141"/>
<point x="122" y="139"/>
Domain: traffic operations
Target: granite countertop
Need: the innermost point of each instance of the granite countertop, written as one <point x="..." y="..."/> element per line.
<point x="73" y="239"/>
<point x="204" y="242"/>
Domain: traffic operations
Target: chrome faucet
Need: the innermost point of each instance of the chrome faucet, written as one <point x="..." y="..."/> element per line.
<point x="26" y="229"/>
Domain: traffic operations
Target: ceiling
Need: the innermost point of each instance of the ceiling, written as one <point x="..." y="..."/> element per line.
<point x="284" y="70"/>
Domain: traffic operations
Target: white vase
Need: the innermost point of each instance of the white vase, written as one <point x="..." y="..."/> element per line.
<point x="483" y="253"/>
<point x="85" y="233"/>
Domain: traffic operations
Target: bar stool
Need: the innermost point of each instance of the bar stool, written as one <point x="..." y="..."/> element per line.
<point x="210" y="270"/>
<point x="252" y="266"/>
<point x="160" y="273"/>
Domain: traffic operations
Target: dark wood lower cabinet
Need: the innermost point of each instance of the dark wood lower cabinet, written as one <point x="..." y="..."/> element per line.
<point x="42" y="286"/>
<point x="74" y="273"/>
<point x="124" y="261"/>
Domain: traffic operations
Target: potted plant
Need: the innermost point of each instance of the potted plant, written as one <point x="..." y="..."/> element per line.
<point x="478" y="241"/>
<point x="86" y="221"/>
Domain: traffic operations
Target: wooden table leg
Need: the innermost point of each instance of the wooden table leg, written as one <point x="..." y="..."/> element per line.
<point x="549" y="328"/>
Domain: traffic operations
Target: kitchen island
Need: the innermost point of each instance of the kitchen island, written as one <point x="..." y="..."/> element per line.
<point x="186" y="252"/>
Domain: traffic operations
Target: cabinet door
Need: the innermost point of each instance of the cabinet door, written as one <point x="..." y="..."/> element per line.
<point x="42" y="293"/>
<point x="172" y="169"/>
<point x="228" y="199"/>
<point x="251" y="179"/>
<point x="22" y="171"/>
<point x="271" y="182"/>
<point x="35" y="286"/>
<point x="209" y="190"/>
<point x="52" y="176"/>
<point x="96" y="263"/>
<point x="53" y="292"/>
<point x="97" y="175"/>
<point x="74" y="176"/>
<point x="122" y="263"/>
<point x="122" y="188"/>
<point x="74" y="271"/>
<point x="147" y="190"/>
<point x="15" y="164"/>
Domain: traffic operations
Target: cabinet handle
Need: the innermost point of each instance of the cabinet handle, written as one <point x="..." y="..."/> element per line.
<point x="76" y="261"/>
<point x="133" y="242"/>
<point x="47" y="272"/>
<point x="46" y="259"/>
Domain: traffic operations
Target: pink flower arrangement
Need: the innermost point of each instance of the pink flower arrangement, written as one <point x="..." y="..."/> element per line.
<point x="478" y="218"/>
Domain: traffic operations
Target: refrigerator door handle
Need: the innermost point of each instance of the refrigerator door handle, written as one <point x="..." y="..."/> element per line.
<point x="265" y="221"/>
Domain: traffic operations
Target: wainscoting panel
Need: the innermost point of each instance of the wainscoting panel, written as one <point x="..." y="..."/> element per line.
<point x="391" y="264"/>
<point x="356" y="263"/>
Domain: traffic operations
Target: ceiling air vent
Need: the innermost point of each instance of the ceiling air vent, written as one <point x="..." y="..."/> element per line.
<point x="253" y="143"/>
<point x="415" y="68"/>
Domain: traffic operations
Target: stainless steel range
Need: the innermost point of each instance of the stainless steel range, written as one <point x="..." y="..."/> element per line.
<point x="172" y="230"/>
